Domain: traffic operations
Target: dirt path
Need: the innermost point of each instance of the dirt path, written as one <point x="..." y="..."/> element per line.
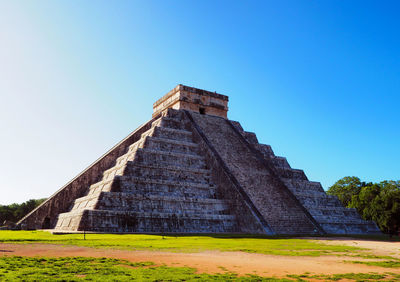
<point x="208" y="261"/>
<point x="376" y="247"/>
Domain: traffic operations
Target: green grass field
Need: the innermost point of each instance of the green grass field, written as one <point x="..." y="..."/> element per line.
<point x="98" y="269"/>
<point x="107" y="269"/>
<point x="250" y="244"/>
<point x="16" y="268"/>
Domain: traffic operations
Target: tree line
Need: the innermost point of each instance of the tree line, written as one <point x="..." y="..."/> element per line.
<point x="15" y="212"/>
<point x="379" y="202"/>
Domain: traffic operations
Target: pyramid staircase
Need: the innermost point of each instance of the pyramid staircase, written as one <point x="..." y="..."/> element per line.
<point x="326" y="209"/>
<point x="161" y="184"/>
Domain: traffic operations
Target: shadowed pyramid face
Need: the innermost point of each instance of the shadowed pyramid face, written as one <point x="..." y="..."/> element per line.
<point x="196" y="100"/>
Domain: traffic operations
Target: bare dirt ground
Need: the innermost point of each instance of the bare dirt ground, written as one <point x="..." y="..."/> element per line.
<point x="220" y="262"/>
<point x="377" y="247"/>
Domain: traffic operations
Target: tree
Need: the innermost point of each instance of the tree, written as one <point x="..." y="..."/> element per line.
<point x="6" y="213"/>
<point x="367" y="202"/>
<point x="346" y="188"/>
<point x="388" y="203"/>
<point x="15" y="212"/>
<point x="379" y="202"/>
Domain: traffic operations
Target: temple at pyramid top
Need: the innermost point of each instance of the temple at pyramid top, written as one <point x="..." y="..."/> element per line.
<point x="193" y="99"/>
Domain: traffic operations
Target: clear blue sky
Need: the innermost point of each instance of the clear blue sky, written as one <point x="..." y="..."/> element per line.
<point x="317" y="80"/>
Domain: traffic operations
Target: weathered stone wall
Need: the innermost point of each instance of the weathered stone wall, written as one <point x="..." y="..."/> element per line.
<point x="277" y="206"/>
<point x="326" y="210"/>
<point x="249" y="220"/>
<point x="188" y="98"/>
<point x="45" y="216"/>
<point x="161" y="184"/>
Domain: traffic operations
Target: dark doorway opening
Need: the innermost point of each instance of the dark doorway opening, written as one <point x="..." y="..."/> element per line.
<point x="46" y="223"/>
<point x="202" y="111"/>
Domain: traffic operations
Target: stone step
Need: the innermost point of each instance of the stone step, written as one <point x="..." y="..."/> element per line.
<point x="341" y="212"/>
<point x="168" y="173"/>
<point x="291" y="173"/>
<point x="169" y="145"/>
<point x="154" y="144"/>
<point x="168" y="215"/>
<point x="138" y="144"/>
<point x="176" y="114"/>
<point x="148" y="203"/>
<point x="338" y="220"/>
<point x="319" y="200"/>
<point x="251" y="137"/>
<point x="168" y="122"/>
<point x="148" y="157"/>
<point x="237" y="125"/>
<point x="134" y="180"/>
<point x="310" y="194"/>
<point x="169" y="133"/>
<point x="156" y="203"/>
<point x="341" y="207"/>
<point x="86" y="202"/>
<point x="199" y="171"/>
<point x="131" y="150"/>
<point x="115" y="170"/>
<point x="128" y="156"/>
<point x="301" y="185"/>
<point x="122" y="221"/>
<point x="69" y="220"/>
<point x="101" y="186"/>
<point x="366" y="227"/>
<point x="280" y="162"/>
<point x="266" y="150"/>
<point x="284" y="225"/>
<point x="143" y="186"/>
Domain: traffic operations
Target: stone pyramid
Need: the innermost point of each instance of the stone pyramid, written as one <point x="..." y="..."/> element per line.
<point x="191" y="170"/>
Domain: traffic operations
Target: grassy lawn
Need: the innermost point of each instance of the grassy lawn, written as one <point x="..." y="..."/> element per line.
<point x="391" y="263"/>
<point x="250" y="244"/>
<point x="15" y="268"/>
<point x="359" y="277"/>
<point x="107" y="269"/>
